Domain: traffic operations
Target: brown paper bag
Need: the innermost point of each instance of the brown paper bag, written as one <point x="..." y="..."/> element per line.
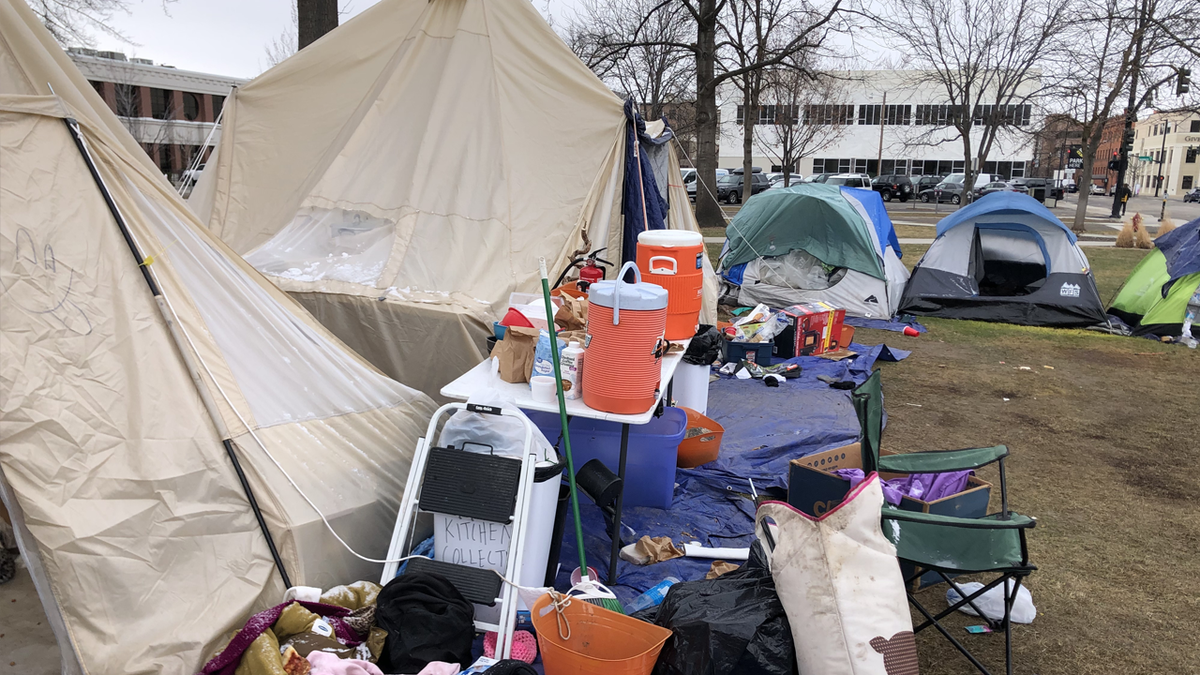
<point x="572" y="315"/>
<point x="515" y="353"/>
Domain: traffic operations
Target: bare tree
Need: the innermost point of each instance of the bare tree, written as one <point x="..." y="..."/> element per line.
<point x="72" y="22"/>
<point x="657" y="73"/>
<point x="284" y="45"/>
<point x="983" y="57"/>
<point x="795" y="130"/>
<point x="314" y="19"/>
<point x="714" y="65"/>
<point x="1115" y="46"/>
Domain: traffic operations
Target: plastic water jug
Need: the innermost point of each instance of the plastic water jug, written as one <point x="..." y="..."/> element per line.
<point x="674" y="259"/>
<point x="624" y="344"/>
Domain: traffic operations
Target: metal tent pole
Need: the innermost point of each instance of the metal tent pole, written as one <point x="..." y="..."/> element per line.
<point x="173" y="328"/>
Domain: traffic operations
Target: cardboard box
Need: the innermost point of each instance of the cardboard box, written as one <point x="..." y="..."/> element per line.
<point x="815" y="489"/>
<point x="813" y="328"/>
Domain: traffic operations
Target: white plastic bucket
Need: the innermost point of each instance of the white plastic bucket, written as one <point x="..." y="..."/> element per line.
<point x="690" y="387"/>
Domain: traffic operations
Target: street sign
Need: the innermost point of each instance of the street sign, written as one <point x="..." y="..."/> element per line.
<point x="1146" y="158"/>
<point x="1075" y="157"/>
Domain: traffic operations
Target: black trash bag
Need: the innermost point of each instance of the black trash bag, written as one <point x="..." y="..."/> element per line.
<point x="510" y="667"/>
<point x="427" y="619"/>
<point x="731" y="625"/>
<point x="705" y="346"/>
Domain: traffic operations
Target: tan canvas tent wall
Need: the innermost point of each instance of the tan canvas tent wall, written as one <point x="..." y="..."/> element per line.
<point x="138" y="533"/>
<point x="402" y="176"/>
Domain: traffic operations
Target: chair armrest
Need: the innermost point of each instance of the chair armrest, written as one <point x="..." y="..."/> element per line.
<point x="995" y="521"/>
<point x="942" y="461"/>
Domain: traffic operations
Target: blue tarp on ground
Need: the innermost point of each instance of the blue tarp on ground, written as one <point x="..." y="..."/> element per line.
<point x="895" y="324"/>
<point x="765" y="428"/>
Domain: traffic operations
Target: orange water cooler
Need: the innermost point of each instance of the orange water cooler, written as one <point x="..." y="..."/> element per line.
<point x="674" y="260"/>
<point x="625" y="345"/>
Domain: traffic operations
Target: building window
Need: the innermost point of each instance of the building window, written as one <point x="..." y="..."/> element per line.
<point x="191" y="106"/>
<point x="1194" y="127"/>
<point x="98" y="86"/>
<point x="218" y="104"/>
<point x="860" y="166"/>
<point x="898" y="114"/>
<point x="160" y="104"/>
<point x="826" y="115"/>
<point x="128" y="100"/>
<point x="164" y="158"/>
<point x="869" y="114"/>
<point x="1018" y="170"/>
<point x="894" y="167"/>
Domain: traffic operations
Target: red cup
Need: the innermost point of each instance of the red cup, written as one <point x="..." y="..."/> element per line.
<point x="911" y="332"/>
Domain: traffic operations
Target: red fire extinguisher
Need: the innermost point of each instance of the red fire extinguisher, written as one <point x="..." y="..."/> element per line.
<point x="590" y="270"/>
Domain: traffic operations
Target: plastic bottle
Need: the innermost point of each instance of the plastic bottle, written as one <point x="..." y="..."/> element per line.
<point x="652" y="597"/>
<point x="572" y="369"/>
<point x="1193" y="309"/>
<point x="542" y="364"/>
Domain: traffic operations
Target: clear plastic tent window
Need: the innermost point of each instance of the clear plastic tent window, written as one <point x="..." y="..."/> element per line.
<point x="278" y="370"/>
<point x="328" y="244"/>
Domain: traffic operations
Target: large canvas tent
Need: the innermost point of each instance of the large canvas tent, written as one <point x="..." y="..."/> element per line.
<point x="1155" y="297"/>
<point x="814" y="243"/>
<point x="139" y="357"/>
<point x="402" y="176"/>
<point x="1006" y="258"/>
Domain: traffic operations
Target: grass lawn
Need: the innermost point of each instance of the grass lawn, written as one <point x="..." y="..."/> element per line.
<point x="1104" y="449"/>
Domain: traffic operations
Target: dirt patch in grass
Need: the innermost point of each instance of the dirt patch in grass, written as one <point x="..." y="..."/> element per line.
<point x="1103" y="454"/>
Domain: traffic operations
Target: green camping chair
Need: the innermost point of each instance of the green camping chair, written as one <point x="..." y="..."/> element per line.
<point x="948" y="545"/>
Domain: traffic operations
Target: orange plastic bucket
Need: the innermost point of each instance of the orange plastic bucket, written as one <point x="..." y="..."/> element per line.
<point x="623" y="362"/>
<point x="674" y="260"/>
<point x="701" y="442"/>
<point x="600" y="642"/>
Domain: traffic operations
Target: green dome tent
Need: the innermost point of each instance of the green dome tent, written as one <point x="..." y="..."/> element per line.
<point x="1155" y="297"/>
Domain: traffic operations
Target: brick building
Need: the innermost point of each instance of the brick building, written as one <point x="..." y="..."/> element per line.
<point x="172" y="113"/>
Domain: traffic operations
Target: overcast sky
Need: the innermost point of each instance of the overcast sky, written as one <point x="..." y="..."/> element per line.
<point x="224" y="37"/>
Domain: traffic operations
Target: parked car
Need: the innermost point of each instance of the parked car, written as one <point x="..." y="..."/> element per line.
<point x="922" y="183"/>
<point x="1070" y="186"/>
<point x="192" y="175"/>
<point x="893" y="186"/>
<point x="943" y="192"/>
<point x="1096" y="189"/>
<point x="858" y="180"/>
<point x="689" y="181"/>
<point x="731" y="191"/>
<point x="994" y="186"/>
<point x="1192" y="195"/>
<point x="1031" y="186"/>
<point x="820" y="177"/>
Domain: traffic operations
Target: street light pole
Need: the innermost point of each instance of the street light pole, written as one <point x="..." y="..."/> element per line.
<point x="1130" y="110"/>
<point x="1162" y="154"/>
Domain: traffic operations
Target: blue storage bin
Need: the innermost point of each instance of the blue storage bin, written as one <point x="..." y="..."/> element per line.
<point x="649" y="463"/>
<point x="738" y="351"/>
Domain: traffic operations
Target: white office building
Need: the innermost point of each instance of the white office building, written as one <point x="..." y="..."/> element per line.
<point x="873" y="121"/>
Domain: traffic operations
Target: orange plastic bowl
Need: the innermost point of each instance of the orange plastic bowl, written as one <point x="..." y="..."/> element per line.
<point x="601" y="642"/>
<point x="701" y="442"/>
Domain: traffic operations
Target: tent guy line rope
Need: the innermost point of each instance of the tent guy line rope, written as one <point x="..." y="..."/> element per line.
<point x="195" y="163"/>
<point x="170" y="318"/>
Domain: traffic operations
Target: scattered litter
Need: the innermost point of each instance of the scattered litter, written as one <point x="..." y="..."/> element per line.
<point x="979" y="629"/>
<point x="650" y="550"/>
<point x="742" y="374"/>
<point x="918" y="405"/>
<point x="1001" y="362"/>
<point x="718" y="568"/>
<point x="1023" y="368"/>
<point x="991" y="603"/>
<point x="1048" y="367"/>
<point x="1005" y="399"/>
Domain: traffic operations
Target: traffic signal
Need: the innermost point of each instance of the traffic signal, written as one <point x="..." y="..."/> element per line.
<point x="1183" y="82"/>
<point x="1114" y="164"/>
<point x="1127" y="141"/>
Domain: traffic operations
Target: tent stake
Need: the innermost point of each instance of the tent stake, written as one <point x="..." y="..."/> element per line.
<point x="160" y="300"/>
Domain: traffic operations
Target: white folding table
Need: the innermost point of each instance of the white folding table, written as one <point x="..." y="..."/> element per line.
<point x="480" y="377"/>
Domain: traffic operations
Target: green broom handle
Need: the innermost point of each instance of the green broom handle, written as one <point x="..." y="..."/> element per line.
<point x="562" y="413"/>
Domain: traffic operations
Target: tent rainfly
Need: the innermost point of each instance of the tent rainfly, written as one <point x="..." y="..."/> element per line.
<point x="1005" y="258"/>
<point x="401" y="176"/>
<point x="1155" y="297"/>
<point x="170" y="421"/>
<point x="814" y="243"/>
